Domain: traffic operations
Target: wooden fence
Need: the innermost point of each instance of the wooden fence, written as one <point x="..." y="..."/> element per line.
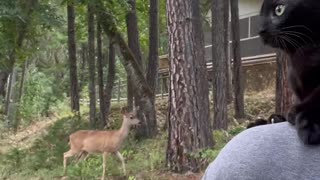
<point x="119" y="93"/>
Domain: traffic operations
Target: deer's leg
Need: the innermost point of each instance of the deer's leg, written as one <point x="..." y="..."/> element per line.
<point x="104" y="165"/>
<point x="82" y="156"/>
<point x="66" y="155"/>
<point x="122" y="161"/>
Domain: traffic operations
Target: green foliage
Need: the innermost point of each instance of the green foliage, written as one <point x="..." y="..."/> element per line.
<point x="16" y="21"/>
<point x="236" y="130"/>
<point x="41" y="96"/>
<point x="44" y="158"/>
<point x="221" y="137"/>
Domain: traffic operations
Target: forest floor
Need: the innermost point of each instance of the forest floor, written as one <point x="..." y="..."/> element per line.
<point x="36" y="151"/>
<point x="24" y="138"/>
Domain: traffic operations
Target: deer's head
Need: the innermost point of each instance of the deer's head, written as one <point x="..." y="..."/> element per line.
<point x="130" y="117"/>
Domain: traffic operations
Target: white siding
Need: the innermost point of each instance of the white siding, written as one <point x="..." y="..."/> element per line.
<point x="249" y="7"/>
<point x="246" y="8"/>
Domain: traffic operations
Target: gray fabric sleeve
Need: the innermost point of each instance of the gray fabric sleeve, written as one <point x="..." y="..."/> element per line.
<point x="265" y="153"/>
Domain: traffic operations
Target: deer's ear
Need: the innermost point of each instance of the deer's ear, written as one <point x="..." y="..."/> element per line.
<point x="124" y="110"/>
<point x="136" y="108"/>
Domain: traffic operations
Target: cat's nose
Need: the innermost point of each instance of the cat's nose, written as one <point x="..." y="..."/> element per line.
<point x="262" y="31"/>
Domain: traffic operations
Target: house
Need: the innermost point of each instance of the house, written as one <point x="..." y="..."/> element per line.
<point x="258" y="60"/>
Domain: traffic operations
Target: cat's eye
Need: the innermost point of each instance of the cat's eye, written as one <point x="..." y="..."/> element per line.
<point x="280" y="10"/>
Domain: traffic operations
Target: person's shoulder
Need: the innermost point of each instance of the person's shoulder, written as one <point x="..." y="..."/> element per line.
<point x="249" y="150"/>
<point x="270" y="128"/>
<point x="266" y="133"/>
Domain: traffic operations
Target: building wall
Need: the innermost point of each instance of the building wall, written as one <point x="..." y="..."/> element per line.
<point x="249" y="7"/>
<point x="251" y="44"/>
<point x="246" y="8"/>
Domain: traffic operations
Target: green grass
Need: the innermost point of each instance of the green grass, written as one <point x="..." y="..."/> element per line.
<point x="43" y="160"/>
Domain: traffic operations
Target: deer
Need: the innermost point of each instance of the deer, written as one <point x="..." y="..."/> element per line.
<point x="85" y="142"/>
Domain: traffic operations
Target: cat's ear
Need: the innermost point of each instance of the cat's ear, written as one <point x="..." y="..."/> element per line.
<point x="262" y="9"/>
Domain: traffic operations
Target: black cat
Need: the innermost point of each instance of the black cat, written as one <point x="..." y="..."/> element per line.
<point x="294" y="27"/>
<point x="274" y="118"/>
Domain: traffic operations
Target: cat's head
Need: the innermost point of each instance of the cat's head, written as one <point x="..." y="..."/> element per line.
<point x="290" y="24"/>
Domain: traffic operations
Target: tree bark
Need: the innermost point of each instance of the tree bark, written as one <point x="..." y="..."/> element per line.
<point x="134" y="45"/>
<point x="103" y="119"/>
<point x="9" y="93"/>
<point x="74" y="91"/>
<point x="132" y="68"/>
<point x="22" y="80"/>
<point x="83" y="71"/>
<point x="189" y="123"/>
<point x="219" y="58"/>
<point x="153" y="60"/>
<point x="227" y="35"/>
<point x="284" y="95"/>
<point x="237" y="62"/>
<point x="129" y="94"/>
<point x="92" y="64"/>
<point x="10" y="112"/>
<point x="3" y="81"/>
<point x="110" y="79"/>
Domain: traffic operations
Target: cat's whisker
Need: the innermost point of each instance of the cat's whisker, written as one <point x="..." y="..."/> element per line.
<point x="300" y="35"/>
<point x="274" y="40"/>
<point x="292" y="34"/>
<point x="303" y="34"/>
<point x="293" y="43"/>
<point x="297" y="26"/>
<point x="283" y="44"/>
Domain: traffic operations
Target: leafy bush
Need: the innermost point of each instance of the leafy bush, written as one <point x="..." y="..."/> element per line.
<point x="41" y="96"/>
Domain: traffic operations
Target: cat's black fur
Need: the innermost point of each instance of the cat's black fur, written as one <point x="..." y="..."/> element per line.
<point x="257" y="122"/>
<point x="274" y="118"/>
<point x="296" y="30"/>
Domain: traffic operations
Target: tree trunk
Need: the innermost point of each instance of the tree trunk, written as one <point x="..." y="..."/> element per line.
<point x="92" y="64"/>
<point x="132" y="68"/>
<point x="22" y="80"/>
<point x="3" y="81"/>
<point x="83" y="64"/>
<point x="9" y="92"/>
<point x="110" y="79"/>
<point x="10" y="83"/>
<point x="153" y="61"/>
<point x="11" y="100"/>
<point x="219" y="58"/>
<point x="74" y="91"/>
<point x="227" y="35"/>
<point x="129" y="94"/>
<point x="134" y="45"/>
<point x="21" y="91"/>
<point x="189" y="124"/>
<point x="237" y="62"/>
<point x="103" y="121"/>
<point x="284" y="96"/>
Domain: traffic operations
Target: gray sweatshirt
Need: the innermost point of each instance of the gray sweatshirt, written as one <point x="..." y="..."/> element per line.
<point x="265" y="153"/>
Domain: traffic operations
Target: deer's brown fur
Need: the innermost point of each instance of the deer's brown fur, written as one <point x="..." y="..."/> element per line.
<point x="85" y="142"/>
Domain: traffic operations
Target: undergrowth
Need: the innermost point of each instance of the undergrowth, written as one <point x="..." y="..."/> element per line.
<point x="44" y="159"/>
<point x="144" y="158"/>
